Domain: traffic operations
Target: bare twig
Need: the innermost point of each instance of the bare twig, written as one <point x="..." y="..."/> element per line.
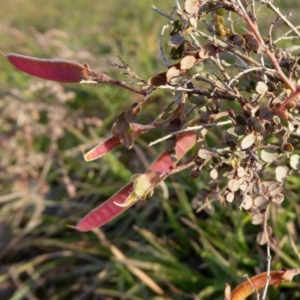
<point x="161" y="49"/>
<point x="159" y="11"/>
<point x="193" y="128"/>
<point x="269" y="258"/>
<point x="283" y="18"/>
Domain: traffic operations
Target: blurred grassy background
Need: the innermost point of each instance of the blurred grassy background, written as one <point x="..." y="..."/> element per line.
<point x="45" y="183"/>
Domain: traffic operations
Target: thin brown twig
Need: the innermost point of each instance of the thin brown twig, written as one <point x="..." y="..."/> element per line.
<point x="283" y="18"/>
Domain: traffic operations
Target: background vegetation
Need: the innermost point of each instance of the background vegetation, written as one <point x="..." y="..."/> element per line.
<point x="45" y="183"/>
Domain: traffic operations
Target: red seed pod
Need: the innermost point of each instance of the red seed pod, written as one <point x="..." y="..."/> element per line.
<point x="50" y="69"/>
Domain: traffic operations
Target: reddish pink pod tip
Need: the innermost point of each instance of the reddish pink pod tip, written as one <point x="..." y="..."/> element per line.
<point x="50" y="69"/>
<point x="100" y="150"/>
<point x="106" y="211"/>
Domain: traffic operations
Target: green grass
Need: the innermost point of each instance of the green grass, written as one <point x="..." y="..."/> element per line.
<point x="46" y="185"/>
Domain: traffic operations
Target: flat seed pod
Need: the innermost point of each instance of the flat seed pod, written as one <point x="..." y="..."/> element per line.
<point x="214" y="174"/>
<point x="229" y="197"/>
<point x="295" y="161"/>
<point x="259" y="188"/>
<point x="260" y="201"/>
<point x="247" y="202"/>
<point x="257" y="219"/>
<point x="49" y="69"/>
<point x="187" y="62"/>
<point x="175" y="27"/>
<point x="252" y="44"/>
<point x="237" y="40"/>
<point x="206" y="51"/>
<point x="257" y="125"/>
<point x="268" y="155"/>
<point x="176" y="53"/>
<point x="191" y="6"/>
<point x="265" y="113"/>
<point x="274" y="189"/>
<point x="193" y="23"/>
<point x="176" y="40"/>
<point x="281" y="173"/>
<point x="244" y="186"/>
<point x="205" y="153"/>
<point x="174" y="76"/>
<point x="195" y="173"/>
<point x="222" y="148"/>
<point x="248" y="141"/>
<point x="240" y="172"/>
<point x="231" y="174"/>
<point x="278" y="199"/>
<point x="261" y="88"/>
<point x="262" y="238"/>
<point x="233" y="185"/>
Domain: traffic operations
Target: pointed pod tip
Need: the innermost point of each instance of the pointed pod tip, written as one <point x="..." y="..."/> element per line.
<point x="82" y="227"/>
<point x="71" y="226"/>
<point x="88" y="157"/>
